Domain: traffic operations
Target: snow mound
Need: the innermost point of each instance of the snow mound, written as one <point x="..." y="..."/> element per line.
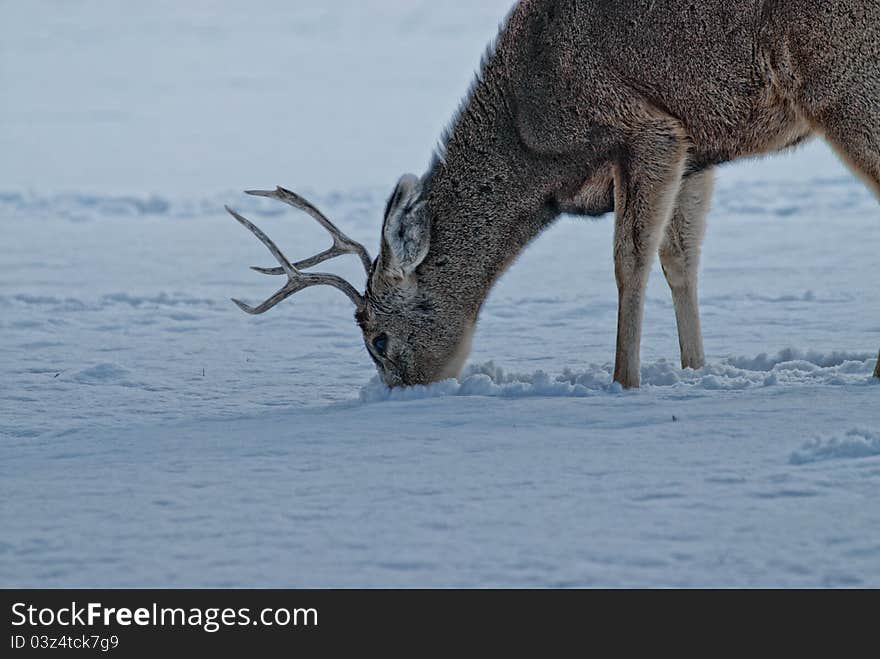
<point x="79" y="206"/>
<point x="101" y="374"/>
<point x="788" y="367"/>
<point x="855" y="444"/>
<point x="763" y="362"/>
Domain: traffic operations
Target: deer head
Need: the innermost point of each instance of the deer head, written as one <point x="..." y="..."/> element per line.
<point x="416" y="328"/>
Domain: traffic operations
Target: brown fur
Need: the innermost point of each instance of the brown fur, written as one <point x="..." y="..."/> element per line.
<point x="592" y="105"/>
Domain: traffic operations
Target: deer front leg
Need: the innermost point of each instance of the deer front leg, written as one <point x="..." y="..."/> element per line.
<point x="646" y="184"/>
<point x="680" y="258"/>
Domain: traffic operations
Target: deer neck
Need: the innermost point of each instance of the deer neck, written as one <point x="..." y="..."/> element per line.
<point x="487" y="199"/>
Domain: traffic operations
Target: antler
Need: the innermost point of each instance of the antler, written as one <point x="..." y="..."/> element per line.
<point x="298" y="280"/>
<point x="342" y="244"/>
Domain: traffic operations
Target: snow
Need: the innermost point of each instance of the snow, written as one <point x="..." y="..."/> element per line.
<point x="787" y="367"/>
<point x="858" y="443"/>
<point x="153" y="435"/>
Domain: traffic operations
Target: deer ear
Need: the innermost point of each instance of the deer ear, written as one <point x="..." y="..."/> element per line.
<point x="406" y="232"/>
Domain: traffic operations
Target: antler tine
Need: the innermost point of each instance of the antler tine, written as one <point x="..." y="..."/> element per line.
<point x="342" y="244"/>
<point x="297" y="280"/>
<point x="271" y="246"/>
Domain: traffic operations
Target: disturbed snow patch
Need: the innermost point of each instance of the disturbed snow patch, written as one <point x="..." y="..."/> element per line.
<point x="855" y="444"/>
<point x="490" y="380"/>
<point x="788" y="367"/>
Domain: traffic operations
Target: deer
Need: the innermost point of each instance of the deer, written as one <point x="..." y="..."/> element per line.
<point x="589" y="107"/>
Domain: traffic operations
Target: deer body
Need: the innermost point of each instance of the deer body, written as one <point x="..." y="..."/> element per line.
<point x="592" y="106"/>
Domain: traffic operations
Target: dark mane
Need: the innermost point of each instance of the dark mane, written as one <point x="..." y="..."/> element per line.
<point x="479" y="104"/>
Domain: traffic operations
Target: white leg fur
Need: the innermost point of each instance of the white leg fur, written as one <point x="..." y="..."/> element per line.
<point x="680" y="258"/>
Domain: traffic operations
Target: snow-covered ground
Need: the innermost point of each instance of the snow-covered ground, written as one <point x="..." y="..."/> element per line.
<point x="153" y="435"/>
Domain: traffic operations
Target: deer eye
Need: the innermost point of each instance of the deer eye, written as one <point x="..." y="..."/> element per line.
<point x="380" y="344"/>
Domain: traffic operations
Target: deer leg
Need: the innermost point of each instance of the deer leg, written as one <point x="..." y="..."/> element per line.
<point x="680" y="259"/>
<point x="646" y="183"/>
<point x="852" y="127"/>
<point x="839" y="92"/>
<point x="857" y="142"/>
